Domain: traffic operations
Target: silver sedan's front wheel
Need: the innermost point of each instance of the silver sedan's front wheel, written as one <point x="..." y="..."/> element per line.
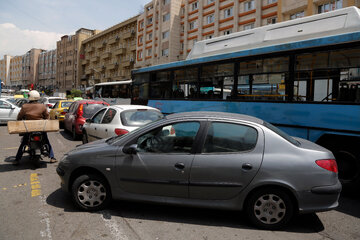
<point x="91" y="192"/>
<point x="270" y="208"/>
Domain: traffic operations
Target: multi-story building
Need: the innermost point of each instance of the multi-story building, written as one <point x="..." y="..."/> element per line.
<point x="47" y="68"/>
<point x="109" y="55"/>
<point x="205" y="19"/>
<point x="29" y="74"/>
<point x="5" y="70"/>
<point x="68" y="58"/>
<point x="15" y="71"/>
<point x="158" y="30"/>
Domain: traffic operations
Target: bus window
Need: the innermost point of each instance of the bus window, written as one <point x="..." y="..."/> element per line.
<point x="185" y="83"/>
<point x="263" y="79"/>
<point x="217" y="81"/>
<point x="140" y="88"/>
<point x="161" y="85"/>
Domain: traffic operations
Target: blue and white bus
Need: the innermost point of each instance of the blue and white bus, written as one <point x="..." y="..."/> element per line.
<point x="301" y="75"/>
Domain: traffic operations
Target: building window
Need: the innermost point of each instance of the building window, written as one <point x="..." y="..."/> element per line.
<point x="210" y="19"/>
<point x="182" y="46"/>
<point x="149" y="52"/>
<point x="165" y="52"/>
<point x="228" y="12"/>
<point x="331" y="6"/>
<point x="210" y="1"/>
<point x="193" y="25"/>
<point x="182" y="11"/>
<point x="165" y="35"/>
<point x="210" y="36"/>
<point x="194" y="6"/>
<point x="149" y="20"/>
<point x="166" y="17"/>
<point x="271" y="1"/>
<point x="149" y="7"/>
<point x="149" y="36"/>
<point x="297" y="15"/>
<point x="141" y="39"/>
<point x="182" y="28"/>
<point x="166" y="2"/>
<point x="271" y="20"/>
<point x="249" y="26"/>
<point x="141" y="24"/>
<point x="250" y="5"/>
<point x="227" y="32"/>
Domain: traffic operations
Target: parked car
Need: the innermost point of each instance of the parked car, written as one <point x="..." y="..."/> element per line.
<point x="8" y="111"/>
<point x="211" y="159"/>
<point x="58" y="111"/>
<point x="117" y="120"/>
<point x="78" y="112"/>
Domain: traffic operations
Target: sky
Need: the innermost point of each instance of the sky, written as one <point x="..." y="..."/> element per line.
<point x="26" y="24"/>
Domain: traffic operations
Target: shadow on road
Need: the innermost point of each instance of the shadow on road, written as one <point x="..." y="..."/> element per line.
<point x="66" y="135"/>
<point x="24" y="164"/>
<point x="349" y="203"/>
<point x="309" y="223"/>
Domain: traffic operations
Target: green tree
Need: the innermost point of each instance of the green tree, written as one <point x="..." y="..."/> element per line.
<point x="76" y="93"/>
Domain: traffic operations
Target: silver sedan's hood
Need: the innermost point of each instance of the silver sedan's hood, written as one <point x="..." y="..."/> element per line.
<point x="96" y="145"/>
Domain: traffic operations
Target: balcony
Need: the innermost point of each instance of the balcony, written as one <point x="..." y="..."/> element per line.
<point x="133" y="47"/>
<point x="119" y="51"/>
<point x="99" y="69"/>
<point x="101" y="45"/>
<point x="91" y="49"/>
<point x="114" y="40"/>
<point x="112" y="66"/>
<point x="127" y="35"/>
<point x="106" y="55"/>
<point x="84" y="62"/>
<point x="126" y="64"/>
<point x="95" y="59"/>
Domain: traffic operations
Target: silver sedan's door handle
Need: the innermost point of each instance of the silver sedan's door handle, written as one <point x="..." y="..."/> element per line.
<point x="247" y="166"/>
<point x="179" y="166"/>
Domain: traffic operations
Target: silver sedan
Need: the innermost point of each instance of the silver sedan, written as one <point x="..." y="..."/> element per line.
<point x="206" y="159"/>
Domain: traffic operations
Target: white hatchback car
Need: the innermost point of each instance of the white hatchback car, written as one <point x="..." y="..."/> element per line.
<point x="118" y="120"/>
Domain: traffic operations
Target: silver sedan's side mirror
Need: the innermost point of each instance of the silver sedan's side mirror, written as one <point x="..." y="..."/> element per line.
<point x="130" y="149"/>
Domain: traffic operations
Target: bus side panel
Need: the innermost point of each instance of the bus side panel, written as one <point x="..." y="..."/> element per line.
<point x="326" y="117"/>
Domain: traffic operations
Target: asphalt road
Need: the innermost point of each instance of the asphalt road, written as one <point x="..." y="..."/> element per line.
<point x="32" y="206"/>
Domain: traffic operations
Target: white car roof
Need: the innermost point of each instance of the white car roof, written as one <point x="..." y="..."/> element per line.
<point x="126" y="107"/>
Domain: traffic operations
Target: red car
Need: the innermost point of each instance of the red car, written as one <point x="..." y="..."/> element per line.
<point x="78" y="112"/>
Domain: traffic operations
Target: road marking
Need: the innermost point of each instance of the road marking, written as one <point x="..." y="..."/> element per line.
<point x="45" y="218"/>
<point x="10" y="148"/>
<point x="15" y="186"/>
<point x="44" y="215"/>
<point x="115" y="229"/>
<point x="35" y="185"/>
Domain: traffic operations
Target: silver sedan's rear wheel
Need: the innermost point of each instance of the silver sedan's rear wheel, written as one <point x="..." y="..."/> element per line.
<point x="91" y="192"/>
<point x="270" y="208"/>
